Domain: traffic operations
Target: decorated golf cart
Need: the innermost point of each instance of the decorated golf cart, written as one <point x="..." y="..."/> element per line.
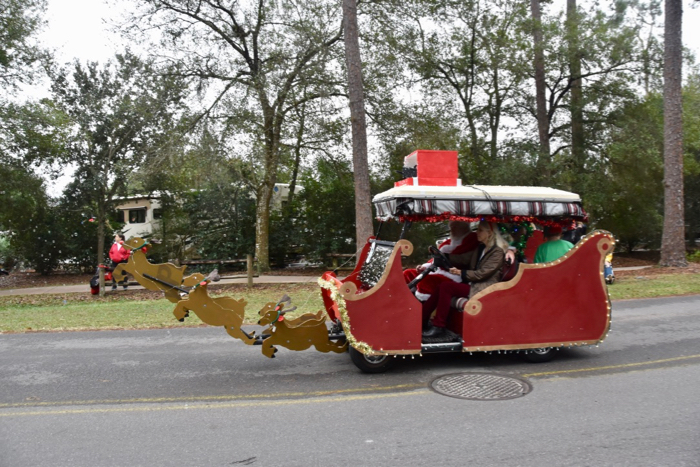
<point x="374" y="313"/>
<point x="541" y="308"/>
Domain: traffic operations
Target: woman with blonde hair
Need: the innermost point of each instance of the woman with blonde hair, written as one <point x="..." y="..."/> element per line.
<point x="479" y="269"/>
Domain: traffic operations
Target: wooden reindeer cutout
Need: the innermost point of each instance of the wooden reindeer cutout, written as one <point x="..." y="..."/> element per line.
<point x="220" y="311"/>
<point x="295" y="334"/>
<point x="164" y="276"/>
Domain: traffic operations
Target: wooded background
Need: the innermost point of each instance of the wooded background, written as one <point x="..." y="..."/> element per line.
<point x="227" y="98"/>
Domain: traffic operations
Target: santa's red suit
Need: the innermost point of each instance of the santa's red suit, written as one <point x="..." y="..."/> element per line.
<point x="431" y="282"/>
<point x="118" y="253"/>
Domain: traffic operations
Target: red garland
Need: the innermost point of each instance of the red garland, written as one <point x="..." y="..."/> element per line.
<point x="446" y="216"/>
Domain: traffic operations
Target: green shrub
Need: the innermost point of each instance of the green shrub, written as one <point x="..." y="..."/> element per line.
<point x="694" y="256"/>
<point x="7" y="255"/>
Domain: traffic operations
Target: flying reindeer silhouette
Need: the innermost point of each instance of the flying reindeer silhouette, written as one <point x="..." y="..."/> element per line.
<point x="220" y="311"/>
<point x="163" y="276"/>
<point x="295" y="334"/>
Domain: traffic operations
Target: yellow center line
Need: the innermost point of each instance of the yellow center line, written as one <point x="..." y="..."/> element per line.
<point x="311" y="397"/>
<point x="225" y="397"/>
<point x="229" y="405"/>
<point x="610" y="367"/>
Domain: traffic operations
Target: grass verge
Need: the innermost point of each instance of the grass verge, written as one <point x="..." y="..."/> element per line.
<point x="136" y="309"/>
<point x="663" y="285"/>
<point x="142" y="309"/>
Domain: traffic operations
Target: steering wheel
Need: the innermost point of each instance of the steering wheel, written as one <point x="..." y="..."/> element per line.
<point x="439" y="258"/>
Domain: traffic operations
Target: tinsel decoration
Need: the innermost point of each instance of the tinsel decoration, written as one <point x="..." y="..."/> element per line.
<point x="345" y="321"/>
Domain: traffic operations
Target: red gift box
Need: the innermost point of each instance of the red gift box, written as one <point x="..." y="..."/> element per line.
<point x="435" y="168"/>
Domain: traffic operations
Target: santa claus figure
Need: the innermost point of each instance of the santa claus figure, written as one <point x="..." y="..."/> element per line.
<point x="461" y="240"/>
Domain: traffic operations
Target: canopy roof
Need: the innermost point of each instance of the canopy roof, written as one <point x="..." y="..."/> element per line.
<point x="494" y="203"/>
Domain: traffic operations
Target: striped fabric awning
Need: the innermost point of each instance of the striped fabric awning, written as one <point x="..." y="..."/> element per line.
<point x="494" y="203"/>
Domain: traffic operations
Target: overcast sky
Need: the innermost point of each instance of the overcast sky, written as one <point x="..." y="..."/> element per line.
<point x="77" y="28"/>
<point x="80" y="29"/>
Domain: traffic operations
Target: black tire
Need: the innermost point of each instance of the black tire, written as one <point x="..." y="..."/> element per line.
<point x="541" y="355"/>
<point x="371" y="363"/>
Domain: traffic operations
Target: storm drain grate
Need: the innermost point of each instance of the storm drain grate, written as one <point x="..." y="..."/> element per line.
<point x="480" y="386"/>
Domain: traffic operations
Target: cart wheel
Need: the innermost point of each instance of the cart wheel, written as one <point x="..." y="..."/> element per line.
<point x="371" y="363"/>
<point x="542" y="355"/>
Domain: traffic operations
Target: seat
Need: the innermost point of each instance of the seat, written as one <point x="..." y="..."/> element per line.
<point x="535" y="240"/>
<point x="509" y="270"/>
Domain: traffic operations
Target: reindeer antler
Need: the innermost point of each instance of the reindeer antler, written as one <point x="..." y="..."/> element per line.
<point x="214" y="276"/>
<point x="280" y="304"/>
<point x="285" y="299"/>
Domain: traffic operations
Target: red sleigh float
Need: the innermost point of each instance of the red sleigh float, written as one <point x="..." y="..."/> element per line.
<point x="543" y="307"/>
<point x="538" y="309"/>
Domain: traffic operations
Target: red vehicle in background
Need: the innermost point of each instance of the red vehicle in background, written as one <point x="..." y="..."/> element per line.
<point x="537" y="309"/>
<point x="95" y="280"/>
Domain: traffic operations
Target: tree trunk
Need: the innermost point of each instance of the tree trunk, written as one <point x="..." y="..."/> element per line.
<point x="647" y="52"/>
<point x="469" y="98"/>
<point x="264" y="191"/>
<point x="495" y="116"/>
<point x="295" y="174"/>
<point x="673" y="240"/>
<point x="363" y="206"/>
<point x="541" y="91"/>
<point x="577" y="131"/>
<point x="262" y="226"/>
<point x="297" y="156"/>
<point x="101" y="221"/>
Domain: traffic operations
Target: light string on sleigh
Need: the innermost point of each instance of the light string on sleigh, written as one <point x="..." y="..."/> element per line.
<point x="352" y="258"/>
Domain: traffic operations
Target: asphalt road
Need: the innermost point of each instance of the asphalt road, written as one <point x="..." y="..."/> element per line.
<point x="191" y="397"/>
